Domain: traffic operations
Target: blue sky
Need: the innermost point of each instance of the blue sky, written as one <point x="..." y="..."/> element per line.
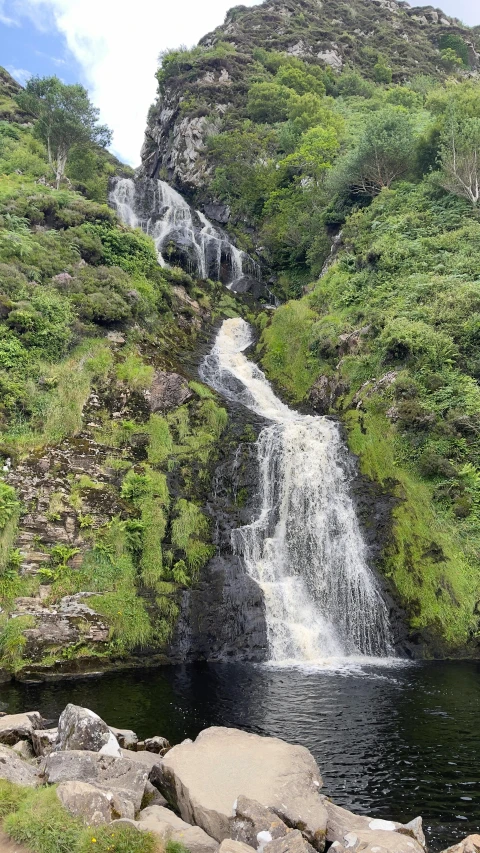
<point x="114" y="52"/>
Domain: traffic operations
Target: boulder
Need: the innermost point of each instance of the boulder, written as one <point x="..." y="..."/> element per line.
<point x="125" y="737"/>
<point x="282" y="777"/>
<point x="218" y="211"/>
<point x="470" y="844"/>
<point x="169" y="827"/>
<point x="252" y="820"/>
<point x="15" y="727"/>
<point x="340" y="822"/>
<point x="125" y="779"/>
<point x="146" y="759"/>
<point x="93" y="805"/>
<point x="167" y="391"/>
<point x="80" y="728"/>
<point x="294" y="842"/>
<point x="24" y="749"/>
<point x="152" y="797"/>
<point x="44" y="740"/>
<point x="377" y="841"/>
<point x="15" y="769"/>
<point x="157" y="744"/>
<point x="231" y="846"/>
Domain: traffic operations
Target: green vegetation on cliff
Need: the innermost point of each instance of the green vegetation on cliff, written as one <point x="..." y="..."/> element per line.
<point x="357" y="126"/>
<point x="101" y="493"/>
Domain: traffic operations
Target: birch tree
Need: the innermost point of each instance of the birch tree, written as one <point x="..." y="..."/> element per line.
<point x="65" y="119"/>
<point x="460" y="158"/>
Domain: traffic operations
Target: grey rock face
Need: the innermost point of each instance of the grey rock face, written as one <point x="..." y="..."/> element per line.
<point x="283" y="778"/>
<point x="217" y="211"/>
<point x="222" y="617"/>
<point x="15" y="769"/>
<point x="168" y="391"/>
<point x="294" y="842"/>
<point x="251" y="818"/>
<point x="231" y="846"/>
<point x="24" y="750"/>
<point x="80" y="728"/>
<point x="126" y="779"/>
<point x="15" y="727"/>
<point x="44" y="740"/>
<point x="169" y="827"/>
<point x="87" y="802"/>
<point x="125" y="737"/>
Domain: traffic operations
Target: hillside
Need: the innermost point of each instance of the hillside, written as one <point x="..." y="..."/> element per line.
<point x="330" y="138"/>
<point x="107" y="446"/>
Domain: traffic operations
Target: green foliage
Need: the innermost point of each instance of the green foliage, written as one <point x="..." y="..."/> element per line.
<point x="35" y="817"/>
<point x="65" y="118"/>
<point x="455" y="43"/>
<point x="188" y="529"/>
<point x="134" y="372"/>
<point x="13" y="641"/>
<point x="9" y="504"/>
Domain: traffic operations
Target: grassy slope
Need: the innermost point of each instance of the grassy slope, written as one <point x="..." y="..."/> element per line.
<point x="409" y="275"/>
<point x="70" y="273"/>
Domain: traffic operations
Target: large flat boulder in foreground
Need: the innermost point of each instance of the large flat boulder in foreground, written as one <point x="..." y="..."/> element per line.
<point x="204" y="780"/>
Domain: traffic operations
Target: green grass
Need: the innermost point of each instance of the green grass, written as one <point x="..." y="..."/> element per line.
<point x="36" y="818"/>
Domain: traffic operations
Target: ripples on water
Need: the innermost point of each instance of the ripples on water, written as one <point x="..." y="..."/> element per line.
<point x="393" y="742"/>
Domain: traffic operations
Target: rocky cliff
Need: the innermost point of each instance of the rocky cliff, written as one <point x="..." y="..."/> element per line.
<point x="202" y="91"/>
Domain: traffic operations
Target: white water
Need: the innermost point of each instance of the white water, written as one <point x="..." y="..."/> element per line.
<point x="305" y="548"/>
<point x="170" y="219"/>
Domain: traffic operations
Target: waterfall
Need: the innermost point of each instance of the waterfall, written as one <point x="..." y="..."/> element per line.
<point x="305" y="548"/>
<point x="161" y="212"/>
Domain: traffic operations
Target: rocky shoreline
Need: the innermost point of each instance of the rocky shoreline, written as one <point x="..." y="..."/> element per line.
<point x="229" y="791"/>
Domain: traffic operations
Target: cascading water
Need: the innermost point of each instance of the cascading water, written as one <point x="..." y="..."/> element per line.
<point x="162" y="213"/>
<point x="305" y="549"/>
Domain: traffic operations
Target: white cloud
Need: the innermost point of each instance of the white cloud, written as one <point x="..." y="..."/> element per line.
<point x="6" y="19"/>
<point x="117" y="45"/>
<point x="21" y="75"/>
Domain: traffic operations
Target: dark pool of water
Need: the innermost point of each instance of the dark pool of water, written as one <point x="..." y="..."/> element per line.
<point x="390" y="742"/>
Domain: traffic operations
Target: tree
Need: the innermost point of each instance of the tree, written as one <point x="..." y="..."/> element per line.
<point x="384" y="153"/>
<point x="66" y="118"/>
<point x="460" y="158"/>
<point x="268" y="102"/>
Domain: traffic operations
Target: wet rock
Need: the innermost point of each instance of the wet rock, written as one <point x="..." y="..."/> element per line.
<point x="15" y="727"/>
<point x="294" y="842"/>
<point x="124" y="778"/>
<point x="325" y="393"/>
<point x="248" y="285"/>
<point x="282" y="777"/>
<point x="44" y="740"/>
<point x="15" y="769"/>
<point x="80" y="728"/>
<point x="157" y="744"/>
<point x="251" y="818"/>
<point x="217" y="211"/>
<point x="93" y="805"/>
<point x="168" y="390"/>
<point x="169" y="827"/>
<point x="222" y="617"/>
<point x="471" y="844"/>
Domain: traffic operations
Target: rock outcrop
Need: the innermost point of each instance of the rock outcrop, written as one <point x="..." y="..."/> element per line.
<point x="15" y="769"/>
<point x="80" y="728"/>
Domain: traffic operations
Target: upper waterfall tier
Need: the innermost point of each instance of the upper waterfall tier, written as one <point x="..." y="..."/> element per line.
<point x="305" y="548"/>
<point x="181" y="235"/>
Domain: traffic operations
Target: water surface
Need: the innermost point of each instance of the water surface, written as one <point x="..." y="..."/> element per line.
<point x="393" y="742"/>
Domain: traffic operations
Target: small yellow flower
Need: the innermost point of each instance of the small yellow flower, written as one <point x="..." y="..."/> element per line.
<point x="94" y="840"/>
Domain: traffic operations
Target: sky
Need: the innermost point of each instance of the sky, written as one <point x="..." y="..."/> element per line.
<point x="112" y="47"/>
